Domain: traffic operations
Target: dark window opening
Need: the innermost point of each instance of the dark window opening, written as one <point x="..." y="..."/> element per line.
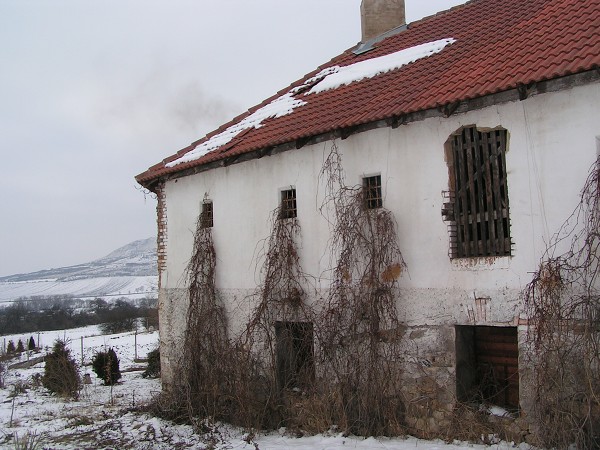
<point x="206" y="217"/>
<point x="478" y="208"/>
<point x="487" y="365"/>
<point x="372" y="192"/>
<point x="295" y="354"/>
<point x="289" y="208"/>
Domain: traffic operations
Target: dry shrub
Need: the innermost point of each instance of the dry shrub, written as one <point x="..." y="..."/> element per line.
<point x="206" y="363"/>
<point x="279" y="332"/>
<point x="359" y="326"/>
<point x="563" y="303"/>
<point x="470" y="424"/>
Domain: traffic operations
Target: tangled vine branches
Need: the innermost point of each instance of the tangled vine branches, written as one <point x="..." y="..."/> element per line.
<point x="206" y="362"/>
<point x="359" y="328"/>
<point x="563" y="304"/>
<point x="278" y="337"/>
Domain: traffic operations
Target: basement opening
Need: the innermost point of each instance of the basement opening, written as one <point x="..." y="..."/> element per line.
<point x="295" y="355"/>
<point x="487" y="365"/>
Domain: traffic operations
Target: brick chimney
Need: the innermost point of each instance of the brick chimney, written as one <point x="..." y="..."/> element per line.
<point x="379" y="16"/>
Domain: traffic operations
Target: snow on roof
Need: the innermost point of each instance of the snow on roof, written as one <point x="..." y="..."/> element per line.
<point x="336" y="76"/>
<point x="329" y="78"/>
<point x="279" y="107"/>
<point x="496" y="46"/>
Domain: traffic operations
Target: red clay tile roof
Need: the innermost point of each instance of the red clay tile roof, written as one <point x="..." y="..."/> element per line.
<point x="500" y="45"/>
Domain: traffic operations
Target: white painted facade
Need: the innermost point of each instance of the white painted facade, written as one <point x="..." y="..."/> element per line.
<point x="552" y="142"/>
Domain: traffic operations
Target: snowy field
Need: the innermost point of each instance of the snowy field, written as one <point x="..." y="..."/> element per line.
<point x="103" y="287"/>
<point x="105" y="418"/>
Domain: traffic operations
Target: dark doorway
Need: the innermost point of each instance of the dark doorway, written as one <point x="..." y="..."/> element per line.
<point x="487" y="365"/>
<point x="295" y="355"/>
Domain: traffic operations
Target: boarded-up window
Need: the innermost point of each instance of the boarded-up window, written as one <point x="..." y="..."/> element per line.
<point x="289" y="209"/>
<point x="478" y="207"/>
<point x="487" y="365"/>
<point x="295" y="356"/>
<point x="372" y="192"/>
<point x="206" y="217"/>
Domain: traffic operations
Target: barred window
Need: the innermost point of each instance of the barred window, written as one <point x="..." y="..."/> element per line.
<point x="478" y="202"/>
<point x="206" y="218"/>
<point x="289" y="209"/>
<point x="372" y="192"/>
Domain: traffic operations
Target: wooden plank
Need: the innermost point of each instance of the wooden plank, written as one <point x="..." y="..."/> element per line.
<point x="461" y="198"/>
<point x="480" y="193"/>
<point x="489" y="196"/>
<point x="496" y="189"/>
<point x="504" y="192"/>
<point x="498" y="360"/>
<point x="468" y="146"/>
<point x="498" y="346"/>
<point x="494" y="332"/>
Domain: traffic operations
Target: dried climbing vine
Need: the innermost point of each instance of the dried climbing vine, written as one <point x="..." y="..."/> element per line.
<point x="207" y="357"/>
<point x="281" y="301"/>
<point x="563" y="304"/>
<point x="359" y="328"/>
<point x="303" y="361"/>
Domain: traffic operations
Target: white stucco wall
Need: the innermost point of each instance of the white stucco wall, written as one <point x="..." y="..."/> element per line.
<point x="552" y="144"/>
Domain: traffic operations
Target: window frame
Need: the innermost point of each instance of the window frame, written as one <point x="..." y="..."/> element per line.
<point x="372" y="192"/>
<point x="477" y="206"/>
<point x="288" y="203"/>
<point x="207" y="214"/>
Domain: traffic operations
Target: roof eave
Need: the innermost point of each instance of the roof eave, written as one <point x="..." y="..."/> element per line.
<point x="151" y="178"/>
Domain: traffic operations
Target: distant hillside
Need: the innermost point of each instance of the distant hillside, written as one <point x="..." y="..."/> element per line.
<point x="128" y="271"/>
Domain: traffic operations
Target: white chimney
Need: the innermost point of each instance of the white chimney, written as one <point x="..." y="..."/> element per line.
<point x="379" y="16"/>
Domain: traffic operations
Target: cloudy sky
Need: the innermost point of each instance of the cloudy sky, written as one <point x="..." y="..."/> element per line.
<point x="94" y="92"/>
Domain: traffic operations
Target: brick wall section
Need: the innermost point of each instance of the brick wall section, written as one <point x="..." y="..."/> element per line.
<point x="161" y="247"/>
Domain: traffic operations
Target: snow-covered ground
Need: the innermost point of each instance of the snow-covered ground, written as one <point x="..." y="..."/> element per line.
<point x="107" y="418"/>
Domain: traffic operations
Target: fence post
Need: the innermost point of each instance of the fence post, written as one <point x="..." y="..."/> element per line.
<point x="81" y="351"/>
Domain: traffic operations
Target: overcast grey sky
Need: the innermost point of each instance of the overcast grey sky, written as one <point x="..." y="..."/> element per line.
<point x="94" y="92"/>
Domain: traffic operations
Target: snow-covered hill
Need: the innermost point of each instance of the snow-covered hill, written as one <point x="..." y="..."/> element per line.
<point x="129" y="271"/>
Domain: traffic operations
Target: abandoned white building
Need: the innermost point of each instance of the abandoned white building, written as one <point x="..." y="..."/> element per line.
<point x="475" y="128"/>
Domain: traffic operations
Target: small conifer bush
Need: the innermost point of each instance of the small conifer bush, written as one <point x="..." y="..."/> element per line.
<point x="106" y="367"/>
<point x="153" y="369"/>
<point x="10" y="348"/>
<point x="20" y="346"/>
<point x="61" y="375"/>
<point x="31" y="344"/>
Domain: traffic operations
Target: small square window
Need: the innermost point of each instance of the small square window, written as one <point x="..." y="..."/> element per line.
<point x="372" y="192"/>
<point x="206" y="218"/>
<point x="288" y="204"/>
